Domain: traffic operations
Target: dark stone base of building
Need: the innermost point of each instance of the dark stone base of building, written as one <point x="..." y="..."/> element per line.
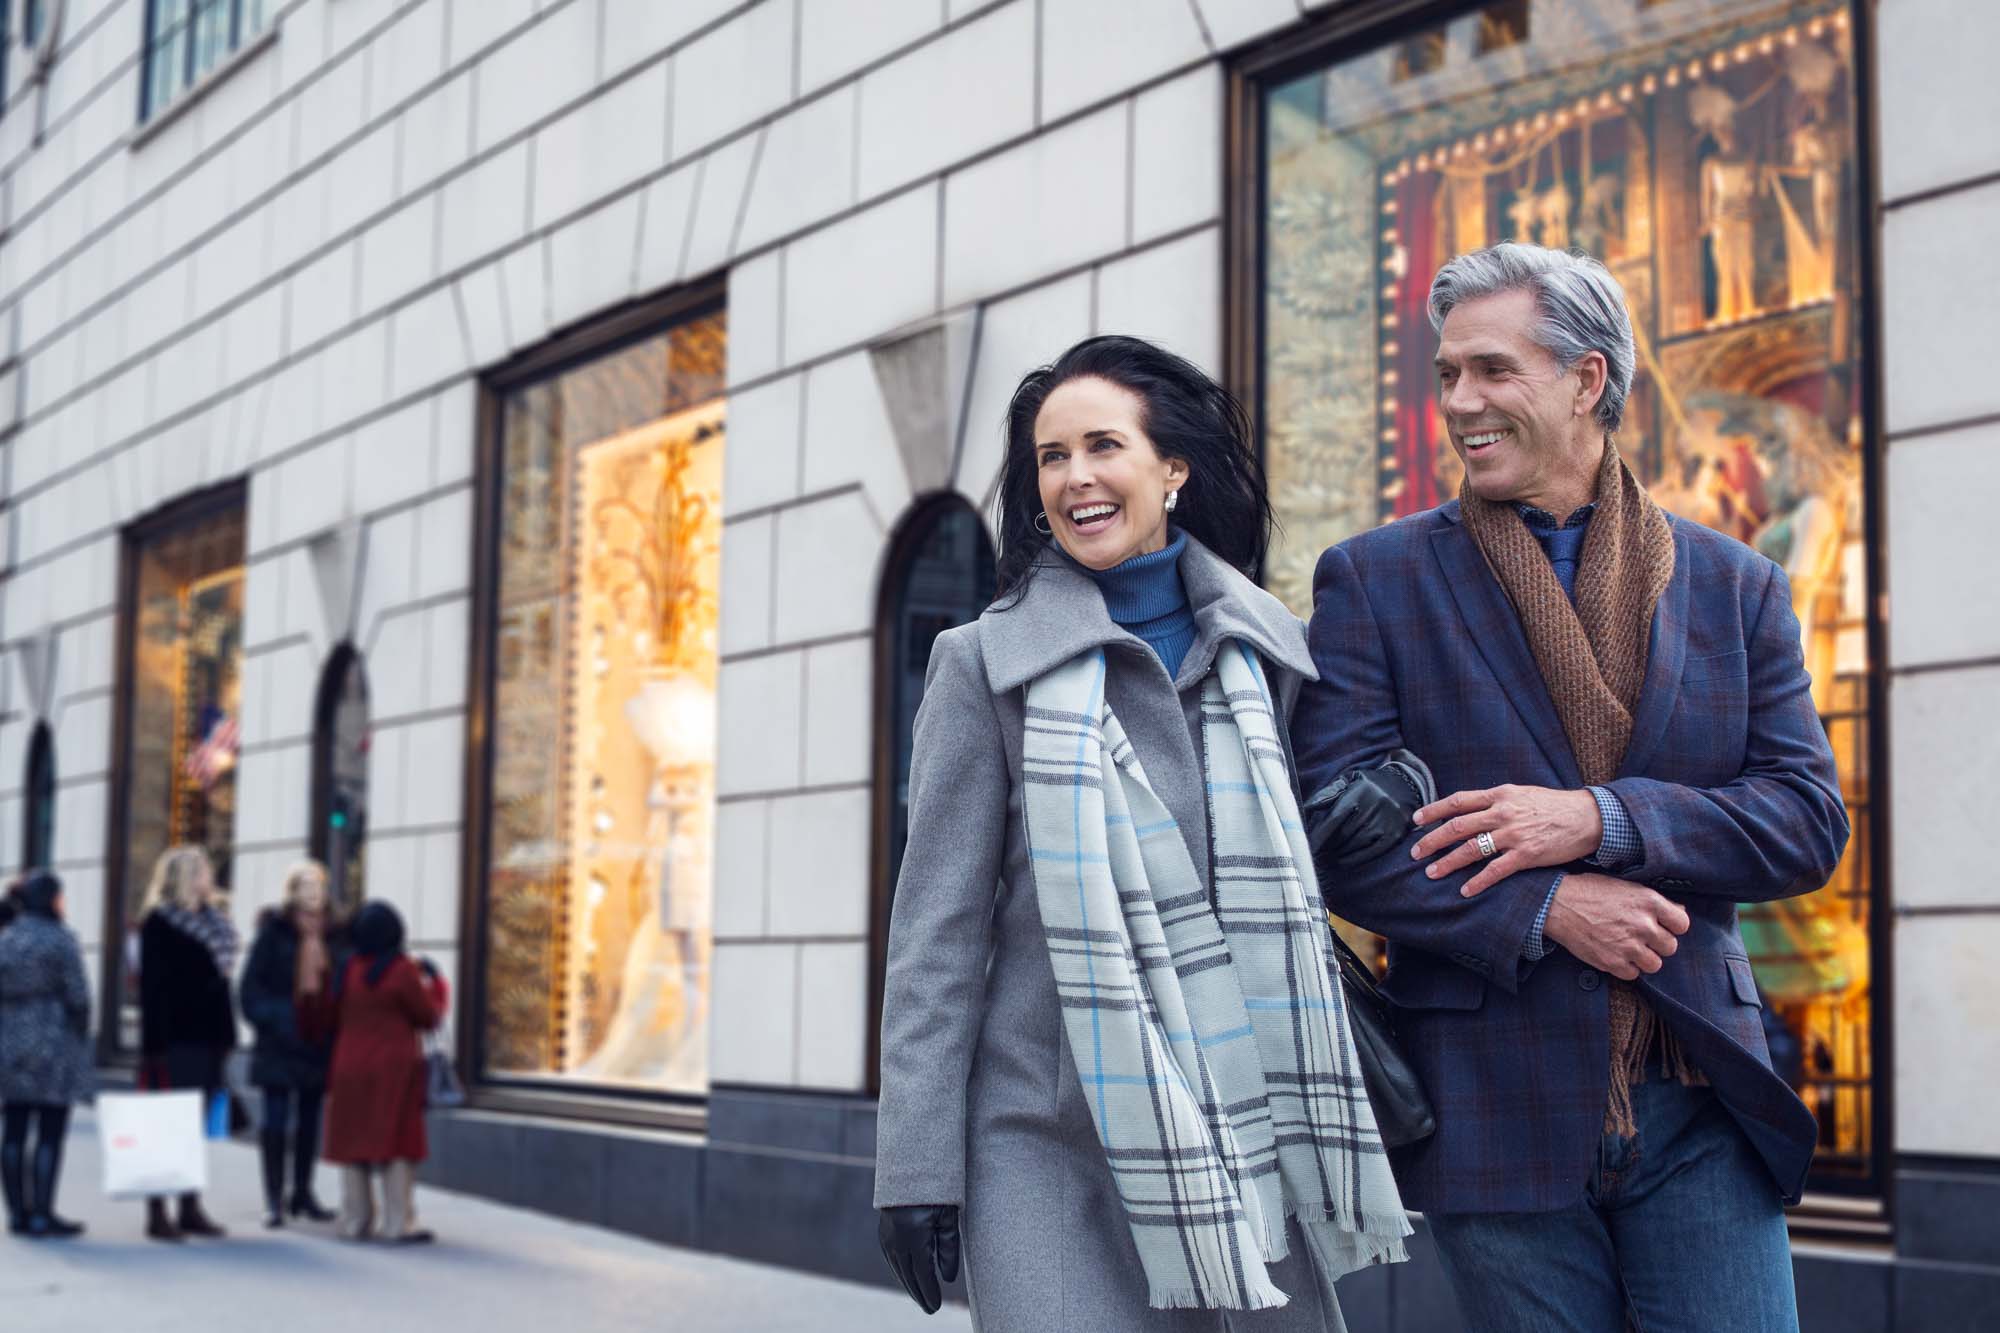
<point x="788" y="1179"/>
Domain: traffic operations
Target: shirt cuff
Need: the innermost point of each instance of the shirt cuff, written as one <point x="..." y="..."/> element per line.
<point x="1535" y="948"/>
<point x="1621" y="847"/>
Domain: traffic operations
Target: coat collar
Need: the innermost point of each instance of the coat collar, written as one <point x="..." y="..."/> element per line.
<point x="1482" y="602"/>
<point x="1061" y="614"/>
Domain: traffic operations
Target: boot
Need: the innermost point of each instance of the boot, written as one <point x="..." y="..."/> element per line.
<point x="48" y="1169"/>
<point x="194" y="1222"/>
<point x="399" y="1205"/>
<point x="14" y="1182"/>
<point x="357" y="1203"/>
<point x="159" y="1223"/>
<point x="271" y="1148"/>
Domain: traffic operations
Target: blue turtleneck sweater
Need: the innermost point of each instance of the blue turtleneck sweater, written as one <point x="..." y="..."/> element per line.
<point x="1146" y="597"/>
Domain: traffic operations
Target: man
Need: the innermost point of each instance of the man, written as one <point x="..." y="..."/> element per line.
<point x="1617" y="703"/>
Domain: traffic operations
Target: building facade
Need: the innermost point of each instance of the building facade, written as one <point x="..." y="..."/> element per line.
<point x="521" y="451"/>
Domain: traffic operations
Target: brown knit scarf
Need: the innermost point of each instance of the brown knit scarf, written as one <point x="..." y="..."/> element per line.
<point x="1592" y="656"/>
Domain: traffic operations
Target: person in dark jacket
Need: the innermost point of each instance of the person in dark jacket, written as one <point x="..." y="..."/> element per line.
<point x="287" y="997"/>
<point x="187" y="1023"/>
<point x="45" y="1063"/>
<point x="375" y="1091"/>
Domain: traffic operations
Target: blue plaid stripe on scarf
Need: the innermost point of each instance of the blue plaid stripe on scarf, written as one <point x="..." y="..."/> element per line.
<point x="1211" y="1038"/>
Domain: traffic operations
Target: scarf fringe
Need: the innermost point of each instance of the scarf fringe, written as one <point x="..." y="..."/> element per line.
<point x="1631" y="1048"/>
<point x="1259" y="1295"/>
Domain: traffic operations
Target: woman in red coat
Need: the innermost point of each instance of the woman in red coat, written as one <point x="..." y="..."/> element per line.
<point x="375" y="1088"/>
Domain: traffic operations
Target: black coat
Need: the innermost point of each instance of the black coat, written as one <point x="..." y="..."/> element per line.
<point x="284" y="1056"/>
<point x="186" y="1019"/>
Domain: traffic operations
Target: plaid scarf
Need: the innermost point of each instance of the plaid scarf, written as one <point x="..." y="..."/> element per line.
<point x="209" y="928"/>
<point x="1211" y="1038"/>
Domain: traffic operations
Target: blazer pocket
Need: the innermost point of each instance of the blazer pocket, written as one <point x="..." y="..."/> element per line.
<point x="1427" y="985"/>
<point x="1742" y="980"/>
<point x="1722" y="666"/>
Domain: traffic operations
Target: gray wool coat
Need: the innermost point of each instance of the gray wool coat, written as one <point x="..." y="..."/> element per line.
<point x="45" y="1054"/>
<point x="981" y="1105"/>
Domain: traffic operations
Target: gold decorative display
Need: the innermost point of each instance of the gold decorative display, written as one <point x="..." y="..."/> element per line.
<point x="599" y="896"/>
<point x="185" y="673"/>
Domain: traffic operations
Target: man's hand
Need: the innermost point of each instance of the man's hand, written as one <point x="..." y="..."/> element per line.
<point x="1614" y="925"/>
<point x="1530" y="826"/>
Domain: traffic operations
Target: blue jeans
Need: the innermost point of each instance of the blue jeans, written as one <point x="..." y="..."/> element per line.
<point x="1679" y="1228"/>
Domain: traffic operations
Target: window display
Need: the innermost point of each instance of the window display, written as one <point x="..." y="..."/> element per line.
<point x="1705" y="151"/>
<point x="184" y="666"/>
<point x="341" y="739"/>
<point x="602" y="792"/>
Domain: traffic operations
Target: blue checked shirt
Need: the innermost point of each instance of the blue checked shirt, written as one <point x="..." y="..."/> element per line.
<point x="1620" y="847"/>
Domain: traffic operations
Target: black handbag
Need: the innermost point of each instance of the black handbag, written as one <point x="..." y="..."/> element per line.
<point x="1355" y="818"/>
<point x="1403" y="1113"/>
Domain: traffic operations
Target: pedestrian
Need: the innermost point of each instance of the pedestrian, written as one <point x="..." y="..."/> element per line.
<point x="187" y="1023"/>
<point x="45" y="1062"/>
<point x="384" y="1003"/>
<point x="1616" y="703"/>
<point x="1113" y="1049"/>
<point x="287" y="998"/>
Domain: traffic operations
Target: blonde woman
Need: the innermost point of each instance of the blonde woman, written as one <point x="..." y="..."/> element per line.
<point x="187" y="953"/>
<point x="287" y="994"/>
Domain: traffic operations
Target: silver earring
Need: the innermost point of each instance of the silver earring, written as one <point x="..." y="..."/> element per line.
<point x="1042" y="524"/>
<point x="1173" y="498"/>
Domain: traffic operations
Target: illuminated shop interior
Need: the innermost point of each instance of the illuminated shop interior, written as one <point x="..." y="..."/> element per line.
<point x="186" y="674"/>
<point x="602" y="817"/>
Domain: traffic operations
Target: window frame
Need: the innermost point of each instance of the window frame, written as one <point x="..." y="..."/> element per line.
<point x="1833" y="1208"/>
<point x="634" y="322"/>
<point x="188" y="512"/>
<point x="185" y="30"/>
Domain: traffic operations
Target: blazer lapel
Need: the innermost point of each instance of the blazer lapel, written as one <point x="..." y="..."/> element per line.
<point x="1664" y="660"/>
<point x="1495" y="630"/>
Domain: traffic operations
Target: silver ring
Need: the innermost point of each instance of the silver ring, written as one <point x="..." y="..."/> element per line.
<point x="1486" y="847"/>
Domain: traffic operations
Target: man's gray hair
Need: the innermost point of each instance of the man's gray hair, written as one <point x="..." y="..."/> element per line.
<point x="1582" y="308"/>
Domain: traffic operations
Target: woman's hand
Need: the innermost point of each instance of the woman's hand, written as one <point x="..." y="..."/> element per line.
<point x="1529" y="826"/>
<point x="1365" y="812"/>
<point x="920" y="1241"/>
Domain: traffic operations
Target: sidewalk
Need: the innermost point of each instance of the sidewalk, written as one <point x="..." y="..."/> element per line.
<point x="493" y="1270"/>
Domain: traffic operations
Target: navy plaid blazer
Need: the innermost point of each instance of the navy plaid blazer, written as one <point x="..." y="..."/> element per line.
<point x="1728" y="777"/>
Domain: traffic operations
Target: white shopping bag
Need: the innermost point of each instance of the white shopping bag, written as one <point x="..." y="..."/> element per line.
<point x="152" y="1143"/>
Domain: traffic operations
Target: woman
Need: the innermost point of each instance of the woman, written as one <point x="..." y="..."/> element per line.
<point x="1106" y="745"/>
<point x="45" y="1063"/>
<point x="287" y="996"/>
<point x="187" y="1023"/>
<point x="384" y="1003"/>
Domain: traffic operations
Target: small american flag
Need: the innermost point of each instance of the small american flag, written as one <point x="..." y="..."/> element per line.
<point x="215" y="754"/>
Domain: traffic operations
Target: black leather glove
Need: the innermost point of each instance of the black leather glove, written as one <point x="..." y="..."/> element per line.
<point x="920" y="1241"/>
<point x="1365" y="812"/>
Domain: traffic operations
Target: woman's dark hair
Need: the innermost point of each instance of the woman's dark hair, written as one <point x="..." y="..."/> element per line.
<point x="377" y="934"/>
<point x="37" y="892"/>
<point x="1186" y="414"/>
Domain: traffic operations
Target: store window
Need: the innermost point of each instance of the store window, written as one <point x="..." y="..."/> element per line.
<point x="180" y="699"/>
<point x="605" y="532"/>
<point x="187" y="38"/>
<point x="38" y="824"/>
<point x="340" y="777"/>
<point x="1705" y="151"/>
<point x="939" y="574"/>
